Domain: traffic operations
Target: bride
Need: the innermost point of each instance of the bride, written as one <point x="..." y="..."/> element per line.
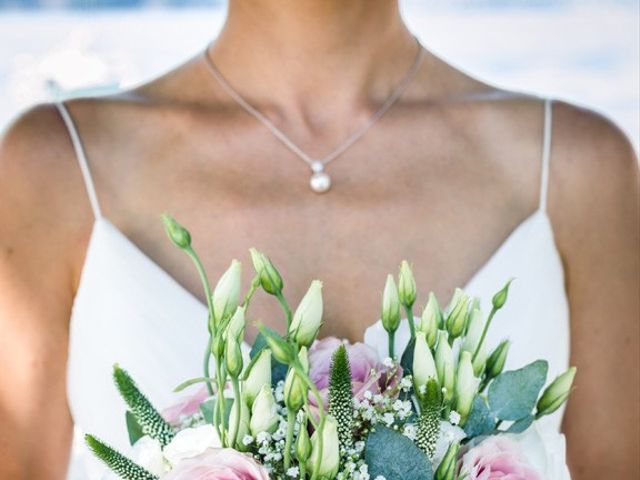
<point x="325" y="135"/>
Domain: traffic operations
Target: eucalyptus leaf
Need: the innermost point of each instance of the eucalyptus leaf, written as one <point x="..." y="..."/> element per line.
<point x="521" y="425"/>
<point x="513" y="394"/>
<point x="207" y="408"/>
<point x="133" y="428"/>
<point x="480" y="420"/>
<point x="392" y="455"/>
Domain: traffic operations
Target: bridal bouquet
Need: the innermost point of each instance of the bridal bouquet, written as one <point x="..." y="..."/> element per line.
<point x="299" y="407"/>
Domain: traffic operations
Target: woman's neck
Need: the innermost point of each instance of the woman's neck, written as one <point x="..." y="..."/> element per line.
<point x="303" y="57"/>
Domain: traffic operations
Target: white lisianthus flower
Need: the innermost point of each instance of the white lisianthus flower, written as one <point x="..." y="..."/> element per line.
<point x="545" y="448"/>
<point x="191" y="442"/>
<point x="226" y="295"/>
<point x="147" y="453"/>
<point x="308" y="316"/>
<point x="448" y="435"/>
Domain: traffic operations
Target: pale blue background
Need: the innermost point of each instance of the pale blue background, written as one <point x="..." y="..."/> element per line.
<point x="583" y="51"/>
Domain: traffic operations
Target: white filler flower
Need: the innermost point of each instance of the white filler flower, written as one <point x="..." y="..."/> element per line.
<point x="191" y="442"/>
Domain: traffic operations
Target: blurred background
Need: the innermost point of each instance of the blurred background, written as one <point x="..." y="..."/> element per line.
<point x="584" y="51"/>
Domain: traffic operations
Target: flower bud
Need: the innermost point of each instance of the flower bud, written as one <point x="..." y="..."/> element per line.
<point x="406" y="285"/>
<point x="303" y="443"/>
<point x="500" y="298"/>
<point x="457" y="319"/>
<point x="497" y="359"/>
<point x="226" y="295"/>
<point x="176" y="232"/>
<point x="390" y="306"/>
<point x="270" y="278"/>
<point x="472" y="339"/>
<point x="258" y="374"/>
<point x="281" y="349"/>
<point x="264" y="413"/>
<point x="236" y="324"/>
<point x="424" y="366"/>
<point x="295" y="390"/>
<point x="444" y="365"/>
<point x="449" y="465"/>
<point x="308" y="316"/>
<point x="217" y="347"/>
<point x="233" y="357"/>
<point x="466" y="387"/>
<point x="243" y="426"/>
<point x="430" y="320"/>
<point x="330" y="460"/>
<point x="556" y="393"/>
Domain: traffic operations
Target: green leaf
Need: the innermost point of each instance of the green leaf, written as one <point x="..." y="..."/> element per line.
<point x="278" y="370"/>
<point x="193" y="381"/>
<point x="146" y="415"/>
<point x="395" y="457"/>
<point x="133" y="427"/>
<point x="207" y="409"/>
<point x="406" y="362"/>
<point x="521" y="425"/>
<point x="124" y="467"/>
<point x="480" y="421"/>
<point x="259" y="343"/>
<point x="513" y="394"/>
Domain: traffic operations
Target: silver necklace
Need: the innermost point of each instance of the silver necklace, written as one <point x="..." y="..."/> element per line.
<point x="320" y="180"/>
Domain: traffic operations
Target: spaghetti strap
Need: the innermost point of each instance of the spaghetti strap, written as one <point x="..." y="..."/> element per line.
<point x="546" y="154"/>
<point x="81" y="157"/>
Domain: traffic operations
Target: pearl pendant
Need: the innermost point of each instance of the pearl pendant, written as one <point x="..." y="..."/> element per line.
<point x="320" y="181"/>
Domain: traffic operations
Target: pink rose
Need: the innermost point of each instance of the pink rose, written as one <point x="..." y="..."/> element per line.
<point x="187" y="407"/>
<point x="498" y="458"/>
<point x="368" y="374"/>
<point x="218" y="464"/>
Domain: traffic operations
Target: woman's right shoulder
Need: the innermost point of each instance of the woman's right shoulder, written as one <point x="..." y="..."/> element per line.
<point x="44" y="212"/>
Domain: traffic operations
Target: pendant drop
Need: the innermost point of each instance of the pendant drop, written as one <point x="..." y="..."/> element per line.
<point x="320" y="181"/>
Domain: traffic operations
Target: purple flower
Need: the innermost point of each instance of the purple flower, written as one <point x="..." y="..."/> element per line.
<point x="368" y="373"/>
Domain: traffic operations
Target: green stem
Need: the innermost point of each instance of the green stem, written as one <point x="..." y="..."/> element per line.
<point x="305" y="378"/>
<point x="220" y="402"/>
<point x="236" y="393"/>
<point x="255" y="284"/>
<point x="484" y="334"/>
<point x="207" y="357"/>
<point x="412" y="327"/>
<point x="291" y="420"/>
<point x="285" y="307"/>
<point x="205" y="284"/>
<point x="303" y="471"/>
<point x="392" y="341"/>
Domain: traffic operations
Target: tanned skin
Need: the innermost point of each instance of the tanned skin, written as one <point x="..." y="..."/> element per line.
<point x="439" y="181"/>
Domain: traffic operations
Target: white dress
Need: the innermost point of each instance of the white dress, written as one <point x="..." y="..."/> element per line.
<point x="129" y="310"/>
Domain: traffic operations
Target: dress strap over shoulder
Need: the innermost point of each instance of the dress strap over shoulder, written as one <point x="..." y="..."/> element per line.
<point x="546" y="153"/>
<point x="81" y="157"/>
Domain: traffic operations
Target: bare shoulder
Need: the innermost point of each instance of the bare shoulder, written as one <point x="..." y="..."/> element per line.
<point x="593" y="191"/>
<point x="40" y="189"/>
<point x="36" y="157"/>
<point x="594" y="167"/>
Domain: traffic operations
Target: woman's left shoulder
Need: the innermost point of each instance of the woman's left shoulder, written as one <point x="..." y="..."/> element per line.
<point x="588" y="144"/>
<point x="593" y="180"/>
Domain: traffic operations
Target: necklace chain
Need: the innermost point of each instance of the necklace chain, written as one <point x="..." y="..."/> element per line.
<point x="317" y="164"/>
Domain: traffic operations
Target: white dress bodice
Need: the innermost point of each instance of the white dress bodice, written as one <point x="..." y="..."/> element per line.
<point x="128" y="310"/>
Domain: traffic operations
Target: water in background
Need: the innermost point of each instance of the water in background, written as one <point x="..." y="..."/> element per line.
<point x="580" y="50"/>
